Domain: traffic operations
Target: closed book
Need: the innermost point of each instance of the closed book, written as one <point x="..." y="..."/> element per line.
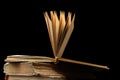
<point x="60" y="71"/>
<point x="31" y="69"/>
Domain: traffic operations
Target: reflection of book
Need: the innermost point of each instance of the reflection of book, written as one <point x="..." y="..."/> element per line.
<point x="60" y="30"/>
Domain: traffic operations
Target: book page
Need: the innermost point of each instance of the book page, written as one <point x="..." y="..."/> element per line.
<point x="59" y="30"/>
<point x="50" y="32"/>
<point x="66" y="37"/>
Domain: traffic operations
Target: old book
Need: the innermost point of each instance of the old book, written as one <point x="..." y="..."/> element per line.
<point x="29" y="58"/>
<point x="41" y="67"/>
<point x="31" y="69"/>
<point x="62" y="71"/>
<point x="60" y="30"/>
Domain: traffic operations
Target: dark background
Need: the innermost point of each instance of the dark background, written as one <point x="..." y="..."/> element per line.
<point x="24" y="30"/>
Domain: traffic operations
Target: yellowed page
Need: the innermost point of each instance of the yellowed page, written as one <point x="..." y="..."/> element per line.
<point x="62" y="24"/>
<point x="67" y="36"/>
<point x="53" y="19"/>
<point x="57" y="30"/>
<point x="50" y="31"/>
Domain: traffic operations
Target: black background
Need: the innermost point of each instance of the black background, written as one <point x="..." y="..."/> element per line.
<point x="24" y="30"/>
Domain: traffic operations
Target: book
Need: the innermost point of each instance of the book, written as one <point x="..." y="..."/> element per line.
<point x="31" y="69"/>
<point x="22" y="67"/>
<point x="60" y="30"/>
<point x="39" y="59"/>
<point x="46" y="70"/>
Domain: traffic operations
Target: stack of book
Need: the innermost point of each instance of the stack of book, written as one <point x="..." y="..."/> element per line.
<point x="26" y="67"/>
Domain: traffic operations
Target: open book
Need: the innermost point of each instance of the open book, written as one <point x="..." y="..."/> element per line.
<point x="60" y="30"/>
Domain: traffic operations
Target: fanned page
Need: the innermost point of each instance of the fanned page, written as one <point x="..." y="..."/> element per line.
<point x="59" y="30"/>
<point x="50" y="31"/>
